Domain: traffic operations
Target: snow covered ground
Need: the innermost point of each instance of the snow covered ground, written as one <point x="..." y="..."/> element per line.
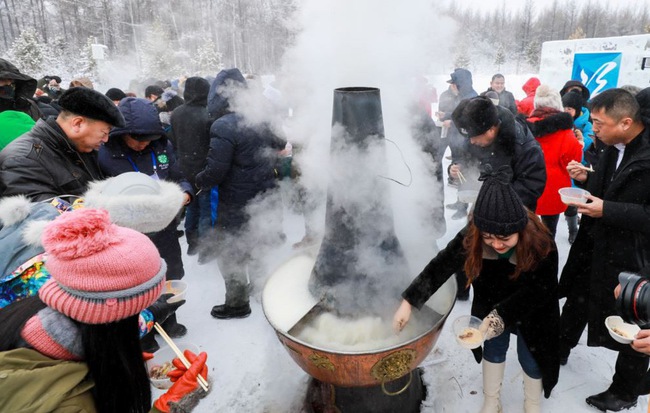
<point x="251" y="371"/>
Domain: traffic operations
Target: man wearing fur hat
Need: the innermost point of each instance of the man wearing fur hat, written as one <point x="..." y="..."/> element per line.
<point x="59" y="155"/>
<point x="494" y="139"/>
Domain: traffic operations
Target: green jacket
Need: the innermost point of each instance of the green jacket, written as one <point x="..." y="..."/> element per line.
<point x="34" y="383"/>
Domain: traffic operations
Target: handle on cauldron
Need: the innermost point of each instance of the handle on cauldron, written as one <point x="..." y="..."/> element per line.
<point x="400" y="391"/>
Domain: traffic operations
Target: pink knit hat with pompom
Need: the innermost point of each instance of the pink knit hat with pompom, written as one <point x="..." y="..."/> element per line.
<point x="101" y="272"/>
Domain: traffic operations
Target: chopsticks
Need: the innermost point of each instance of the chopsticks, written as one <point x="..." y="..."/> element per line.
<point x="179" y="353"/>
<point x="461" y="178"/>
<point x="585" y="168"/>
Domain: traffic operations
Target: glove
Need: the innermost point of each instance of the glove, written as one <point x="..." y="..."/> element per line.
<point x="492" y="325"/>
<point x="161" y="309"/>
<point x="185" y="381"/>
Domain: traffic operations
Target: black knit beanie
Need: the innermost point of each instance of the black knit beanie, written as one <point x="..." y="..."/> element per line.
<point x="573" y="100"/>
<point x="498" y="209"/>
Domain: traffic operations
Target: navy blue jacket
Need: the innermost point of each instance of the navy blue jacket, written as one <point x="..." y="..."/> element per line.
<point x="242" y="157"/>
<point x="141" y="118"/>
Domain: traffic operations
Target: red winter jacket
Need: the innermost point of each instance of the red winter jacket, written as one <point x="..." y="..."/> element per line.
<point x="526" y="105"/>
<point x="554" y="132"/>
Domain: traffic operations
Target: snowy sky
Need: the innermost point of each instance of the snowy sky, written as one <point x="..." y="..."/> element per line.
<point x="487" y="5"/>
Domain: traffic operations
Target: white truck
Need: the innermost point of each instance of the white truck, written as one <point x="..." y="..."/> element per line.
<point x="599" y="63"/>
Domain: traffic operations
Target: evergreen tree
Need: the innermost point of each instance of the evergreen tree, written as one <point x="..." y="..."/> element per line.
<point x="88" y="66"/>
<point x="533" y="54"/>
<point x="500" y="57"/>
<point x="461" y="58"/>
<point x="27" y="54"/>
<point x="207" y="60"/>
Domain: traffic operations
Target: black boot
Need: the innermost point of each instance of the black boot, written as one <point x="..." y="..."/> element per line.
<point x="225" y="311"/>
<point x="572" y="222"/>
<point x="192" y="242"/>
<point x="173" y="328"/>
<point x="149" y="343"/>
<point x="609" y="401"/>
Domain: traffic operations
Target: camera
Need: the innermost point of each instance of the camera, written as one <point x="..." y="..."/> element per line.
<point x="633" y="303"/>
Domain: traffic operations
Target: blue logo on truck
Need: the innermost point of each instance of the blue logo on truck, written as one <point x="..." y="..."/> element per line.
<point x="597" y="71"/>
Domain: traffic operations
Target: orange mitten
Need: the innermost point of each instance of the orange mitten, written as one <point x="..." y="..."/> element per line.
<point x="185" y="380"/>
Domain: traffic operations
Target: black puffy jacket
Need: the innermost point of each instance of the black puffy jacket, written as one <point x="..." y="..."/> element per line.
<point x="191" y="125"/>
<point x="43" y="163"/>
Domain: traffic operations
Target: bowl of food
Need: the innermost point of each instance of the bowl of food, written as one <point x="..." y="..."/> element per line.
<point x="466" y="330"/>
<point x="621" y="331"/>
<point x="176" y="287"/>
<point x="161" y="364"/>
<point x="571" y="195"/>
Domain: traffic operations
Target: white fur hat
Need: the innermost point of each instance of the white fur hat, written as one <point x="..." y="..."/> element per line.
<point x="137" y="201"/>
<point x="547" y="97"/>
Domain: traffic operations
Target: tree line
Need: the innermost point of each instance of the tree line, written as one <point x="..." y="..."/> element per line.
<point x="169" y="37"/>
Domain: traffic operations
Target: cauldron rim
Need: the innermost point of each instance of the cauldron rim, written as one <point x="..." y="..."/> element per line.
<point x="357" y="89"/>
<point x="348" y="352"/>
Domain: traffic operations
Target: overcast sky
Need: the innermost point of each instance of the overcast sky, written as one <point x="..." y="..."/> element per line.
<point x="487" y="5"/>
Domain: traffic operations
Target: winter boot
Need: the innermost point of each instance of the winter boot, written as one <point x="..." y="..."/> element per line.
<point x="225" y="311"/>
<point x="532" y="394"/>
<point x="173" y="328"/>
<point x="192" y="242"/>
<point x="492" y="379"/>
<point x="572" y="222"/>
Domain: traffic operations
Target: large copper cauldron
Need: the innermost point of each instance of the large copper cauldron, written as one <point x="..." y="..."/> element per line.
<point x="286" y="300"/>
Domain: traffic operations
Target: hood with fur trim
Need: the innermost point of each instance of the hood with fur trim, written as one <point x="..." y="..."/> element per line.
<point x="542" y="124"/>
<point x="143" y="212"/>
<point x="22" y="224"/>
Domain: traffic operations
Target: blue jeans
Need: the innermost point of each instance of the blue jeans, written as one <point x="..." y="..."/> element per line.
<point x="495" y="349"/>
<point x="198" y="215"/>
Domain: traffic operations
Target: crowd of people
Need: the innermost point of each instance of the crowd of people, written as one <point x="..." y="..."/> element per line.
<point x="94" y="187"/>
<point x="525" y="151"/>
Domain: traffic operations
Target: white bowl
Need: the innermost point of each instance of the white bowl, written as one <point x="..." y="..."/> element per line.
<point x="466" y="331"/>
<point x="166" y="354"/>
<point x="176" y="287"/>
<point x="572" y="195"/>
<point x="467" y="196"/>
<point x="621" y="331"/>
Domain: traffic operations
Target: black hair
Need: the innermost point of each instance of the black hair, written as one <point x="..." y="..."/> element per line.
<point x="13" y="318"/>
<point x="113" y="355"/>
<point x="496" y="75"/>
<point x="617" y="104"/>
<point x="114" y="358"/>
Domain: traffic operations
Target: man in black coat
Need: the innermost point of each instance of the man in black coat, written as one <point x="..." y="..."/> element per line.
<point x="59" y="155"/>
<point x="241" y="161"/>
<point x="614" y="236"/>
<point x="506" y="99"/>
<point x="191" y="129"/>
<point x="495" y="138"/>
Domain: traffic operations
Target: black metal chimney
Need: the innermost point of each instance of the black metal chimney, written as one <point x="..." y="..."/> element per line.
<point x="360" y="261"/>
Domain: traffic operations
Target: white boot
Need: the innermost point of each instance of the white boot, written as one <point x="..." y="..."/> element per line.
<point x="492" y="379"/>
<point x="532" y="395"/>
